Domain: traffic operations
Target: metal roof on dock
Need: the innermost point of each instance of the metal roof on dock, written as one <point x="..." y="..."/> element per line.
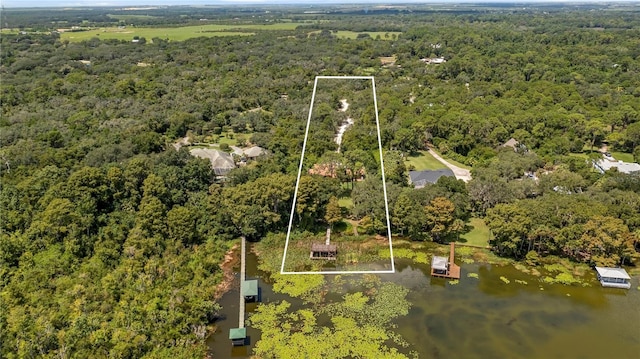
<point x="250" y="288"/>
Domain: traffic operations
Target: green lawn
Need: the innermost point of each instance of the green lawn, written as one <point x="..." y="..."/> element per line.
<point x="479" y="235"/>
<point x="454" y="162"/>
<point x="622" y="156"/>
<point x="424" y="161"/>
<point x="579" y="155"/>
<point x="173" y="33"/>
<point x="345" y="202"/>
<point x="231" y="139"/>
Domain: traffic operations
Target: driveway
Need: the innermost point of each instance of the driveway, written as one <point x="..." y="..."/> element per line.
<point x="460" y="173"/>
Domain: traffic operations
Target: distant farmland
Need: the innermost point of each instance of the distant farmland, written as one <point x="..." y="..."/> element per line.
<point x="174" y="33"/>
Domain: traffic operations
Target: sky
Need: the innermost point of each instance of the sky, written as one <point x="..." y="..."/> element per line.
<point x="94" y="3"/>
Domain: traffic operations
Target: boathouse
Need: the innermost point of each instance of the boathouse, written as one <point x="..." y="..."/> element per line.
<point x="445" y="267"/>
<point x="238" y="336"/>
<point x="324" y="251"/>
<point x="250" y="290"/>
<point x="613" y="277"/>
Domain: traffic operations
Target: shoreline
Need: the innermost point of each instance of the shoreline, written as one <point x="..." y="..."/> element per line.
<point x="230" y="260"/>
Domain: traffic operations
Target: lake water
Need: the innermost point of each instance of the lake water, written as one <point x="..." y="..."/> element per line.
<point x="486" y="318"/>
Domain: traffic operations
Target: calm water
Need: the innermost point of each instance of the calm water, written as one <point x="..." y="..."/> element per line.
<point x="486" y="318"/>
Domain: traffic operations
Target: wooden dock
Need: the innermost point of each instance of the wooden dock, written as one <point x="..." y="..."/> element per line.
<point x="452" y="269"/>
<point x="242" y="277"/>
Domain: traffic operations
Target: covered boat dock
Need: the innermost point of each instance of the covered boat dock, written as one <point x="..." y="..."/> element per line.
<point x="614" y="277"/>
<point x="445" y="267"/>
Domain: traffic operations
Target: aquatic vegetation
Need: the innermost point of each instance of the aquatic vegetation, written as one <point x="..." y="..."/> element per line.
<point x="454" y="281"/>
<point x="408" y="253"/>
<point x="472" y="275"/>
<point x="535" y="272"/>
<point x="505" y="280"/>
<point x="562" y="278"/>
<point x="464" y="251"/>
<point x="522" y="268"/>
<point x="519" y="281"/>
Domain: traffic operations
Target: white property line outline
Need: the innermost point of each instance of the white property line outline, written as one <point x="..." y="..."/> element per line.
<point x="384" y="183"/>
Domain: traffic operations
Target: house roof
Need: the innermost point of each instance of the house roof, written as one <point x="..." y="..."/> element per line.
<point x="237" y="333"/>
<point x="237" y="150"/>
<point x="624" y="167"/>
<point x="316" y="247"/>
<point x="440" y="263"/>
<point x="612" y="272"/>
<point x="421" y="178"/>
<point x="250" y="287"/>
<point x="254" y="151"/>
<point x="511" y="143"/>
<point x="221" y="162"/>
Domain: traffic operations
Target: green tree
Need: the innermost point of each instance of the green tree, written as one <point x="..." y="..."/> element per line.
<point x="510" y="226"/>
<point x="439" y="218"/>
<point x="333" y="213"/>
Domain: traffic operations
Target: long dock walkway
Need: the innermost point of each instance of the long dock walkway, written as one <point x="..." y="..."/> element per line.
<point x="242" y="277"/>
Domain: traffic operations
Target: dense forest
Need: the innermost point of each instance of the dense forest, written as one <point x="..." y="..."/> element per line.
<point x="111" y="239"/>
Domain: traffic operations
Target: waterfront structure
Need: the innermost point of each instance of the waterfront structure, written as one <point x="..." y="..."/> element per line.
<point x="613" y="277"/>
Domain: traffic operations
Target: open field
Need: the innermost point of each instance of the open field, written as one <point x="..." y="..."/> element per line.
<point x="424" y="161"/>
<point x="478" y="236"/>
<point x="353" y="35"/>
<point x="174" y="33"/>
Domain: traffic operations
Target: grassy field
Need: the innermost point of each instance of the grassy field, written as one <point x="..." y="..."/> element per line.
<point x="454" y="162"/>
<point x="354" y="35"/>
<point x="345" y="202"/>
<point x="424" y="161"/>
<point x="174" y="33"/>
<point x="232" y="138"/>
<point x="621" y="156"/>
<point x="478" y="236"/>
<point x="579" y="155"/>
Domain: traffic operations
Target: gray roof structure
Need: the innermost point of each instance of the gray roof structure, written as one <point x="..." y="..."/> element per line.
<point x="421" y="178"/>
<point x="440" y="263"/>
<point x="512" y="142"/>
<point x="608" y="272"/>
<point x="250" y="288"/>
<point x="316" y="247"/>
<point x="221" y="162"/>
<point x="237" y="333"/>
<point x="254" y="151"/>
<point x="624" y="167"/>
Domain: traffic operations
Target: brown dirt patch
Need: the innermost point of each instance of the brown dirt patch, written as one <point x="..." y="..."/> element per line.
<point x="387" y="60"/>
<point x="230" y="260"/>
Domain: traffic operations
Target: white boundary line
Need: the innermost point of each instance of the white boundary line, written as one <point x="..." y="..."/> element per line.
<point x="384" y="184"/>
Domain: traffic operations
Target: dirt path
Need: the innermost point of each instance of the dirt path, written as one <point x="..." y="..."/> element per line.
<point x="460" y="173"/>
<point x="354" y="224"/>
<point x="343" y="127"/>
